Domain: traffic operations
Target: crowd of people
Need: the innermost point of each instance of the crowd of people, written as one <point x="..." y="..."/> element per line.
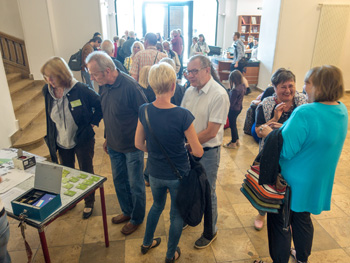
<point x="143" y="107"/>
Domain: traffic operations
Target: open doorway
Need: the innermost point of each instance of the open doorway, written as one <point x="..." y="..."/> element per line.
<point x="163" y="17"/>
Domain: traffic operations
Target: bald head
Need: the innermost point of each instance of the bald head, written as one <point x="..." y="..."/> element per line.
<point x="108" y="47"/>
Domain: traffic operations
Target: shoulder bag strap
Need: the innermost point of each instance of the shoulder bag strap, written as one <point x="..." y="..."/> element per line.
<point x="154" y="62"/>
<point x="175" y="170"/>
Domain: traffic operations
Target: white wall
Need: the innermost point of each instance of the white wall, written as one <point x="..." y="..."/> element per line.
<point x="230" y="24"/>
<point x="344" y="63"/>
<point x="8" y="120"/>
<point x="267" y="40"/>
<point x="10" y="22"/>
<point x="37" y="33"/>
<point x="249" y="7"/>
<point x="295" y="39"/>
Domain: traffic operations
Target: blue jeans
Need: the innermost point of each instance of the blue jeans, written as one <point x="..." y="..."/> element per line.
<point x="127" y="170"/>
<point x="210" y="162"/>
<point x="4" y="238"/>
<point x="85" y="77"/>
<point x="159" y="191"/>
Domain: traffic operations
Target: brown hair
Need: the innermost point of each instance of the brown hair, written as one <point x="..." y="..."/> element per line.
<point x="328" y="83"/>
<point x="58" y="67"/>
<point x="236" y="78"/>
<point x="237" y="34"/>
<point x="282" y="75"/>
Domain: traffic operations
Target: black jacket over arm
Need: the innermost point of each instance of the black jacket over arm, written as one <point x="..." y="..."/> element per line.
<point x="89" y="112"/>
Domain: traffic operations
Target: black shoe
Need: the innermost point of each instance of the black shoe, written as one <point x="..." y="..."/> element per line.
<point x="202" y="242"/>
<point x="144" y="249"/>
<point x="172" y="260"/>
<point x="86" y="215"/>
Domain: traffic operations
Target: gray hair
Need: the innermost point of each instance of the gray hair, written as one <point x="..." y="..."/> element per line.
<point x="103" y="60"/>
<point x="169" y="61"/>
<point x="205" y="62"/>
<point x="131" y="34"/>
<point x="107" y="46"/>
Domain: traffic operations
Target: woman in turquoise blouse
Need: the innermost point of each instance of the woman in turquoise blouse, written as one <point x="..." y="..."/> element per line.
<point x="313" y="139"/>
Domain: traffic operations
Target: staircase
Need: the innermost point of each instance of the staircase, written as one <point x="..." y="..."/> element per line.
<point x="29" y="107"/>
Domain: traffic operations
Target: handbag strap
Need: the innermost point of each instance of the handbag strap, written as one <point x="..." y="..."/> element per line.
<point x="155" y="59"/>
<point x="175" y="170"/>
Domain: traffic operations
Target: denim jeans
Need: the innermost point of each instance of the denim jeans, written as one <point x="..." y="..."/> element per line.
<point x="159" y="191"/>
<point x="85" y="77"/>
<point x="210" y="162"/>
<point x="127" y="170"/>
<point x="4" y="238"/>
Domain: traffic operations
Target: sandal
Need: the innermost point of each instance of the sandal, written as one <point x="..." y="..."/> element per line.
<point x="144" y="249"/>
<point x="259" y="261"/>
<point x="167" y="260"/>
<point x="230" y="145"/>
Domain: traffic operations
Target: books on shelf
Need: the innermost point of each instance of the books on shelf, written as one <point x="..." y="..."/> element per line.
<point x="253" y="20"/>
<point x="243" y="29"/>
<point x="243" y="21"/>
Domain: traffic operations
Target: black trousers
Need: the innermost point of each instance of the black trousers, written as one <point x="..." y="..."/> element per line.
<point x="302" y="231"/>
<point x="232" y="68"/>
<point x="85" y="154"/>
<point x="179" y="75"/>
<point x="232" y="118"/>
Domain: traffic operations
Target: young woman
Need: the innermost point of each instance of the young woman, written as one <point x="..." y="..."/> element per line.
<point x="238" y="89"/>
<point x="171" y="134"/>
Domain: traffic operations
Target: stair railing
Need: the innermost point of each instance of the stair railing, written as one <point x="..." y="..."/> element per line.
<point x="13" y="51"/>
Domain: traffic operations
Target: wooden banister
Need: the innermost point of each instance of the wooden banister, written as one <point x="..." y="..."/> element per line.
<point x="13" y="51"/>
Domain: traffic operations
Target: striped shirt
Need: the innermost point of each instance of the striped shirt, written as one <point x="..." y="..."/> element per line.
<point x="147" y="57"/>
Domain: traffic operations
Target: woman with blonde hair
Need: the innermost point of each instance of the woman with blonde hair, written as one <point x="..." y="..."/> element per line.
<point x="171" y="135"/>
<point x="72" y="110"/>
<point x="136" y="47"/>
<point x="313" y="138"/>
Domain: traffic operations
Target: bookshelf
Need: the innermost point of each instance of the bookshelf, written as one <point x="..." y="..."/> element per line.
<point x="249" y="26"/>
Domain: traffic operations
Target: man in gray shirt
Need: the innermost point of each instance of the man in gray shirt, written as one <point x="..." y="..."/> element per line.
<point x="238" y="52"/>
<point x="121" y="97"/>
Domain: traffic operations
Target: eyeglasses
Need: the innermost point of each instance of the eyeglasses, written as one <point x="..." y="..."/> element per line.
<point x="193" y="71"/>
<point x="95" y="74"/>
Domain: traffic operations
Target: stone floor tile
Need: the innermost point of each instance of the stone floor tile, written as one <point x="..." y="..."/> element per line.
<point x="334" y="256"/>
<point x="62" y="254"/>
<point x="233" y="243"/>
<point x="98" y="252"/>
<point x="21" y="256"/>
<point x="246" y="213"/>
<point x="259" y="240"/>
<point x="338" y="228"/>
<point x="322" y="239"/>
<point x="16" y="242"/>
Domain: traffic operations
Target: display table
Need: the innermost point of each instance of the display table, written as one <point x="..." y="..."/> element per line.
<point x="67" y="201"/>
<point x="222" y="65"/>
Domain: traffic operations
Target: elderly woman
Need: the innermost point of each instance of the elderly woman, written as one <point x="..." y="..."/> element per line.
<point x="162" y="78"/>
<point x="313" y="139"/>
<point x="136" y="47"/>
<point x="173" y="55"/>
<point x="72" y="110"/>
<point x="201" y="47"/>
<point x="275" y="110"/>
<point x="192" y="48"/>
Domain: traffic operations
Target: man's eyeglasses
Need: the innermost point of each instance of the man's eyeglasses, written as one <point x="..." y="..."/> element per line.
<point x="193" y="71"/>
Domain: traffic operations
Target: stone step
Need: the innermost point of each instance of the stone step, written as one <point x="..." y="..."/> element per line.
<point x="20" y="99"/>
<point x="13" y="77"/>
<point x="20" y="85"/>
<point x="30" y="111"/>
<point x="41" y="150"/>
<point x="33" y="134"/>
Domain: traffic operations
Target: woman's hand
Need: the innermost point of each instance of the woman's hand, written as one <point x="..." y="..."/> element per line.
<point x="280" y="108"/>
<point x="264" y="130"/>
<point x="275" y="125"/>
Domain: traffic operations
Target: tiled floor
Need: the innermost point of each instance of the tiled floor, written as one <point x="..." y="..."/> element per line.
<point x="72" y="239"/>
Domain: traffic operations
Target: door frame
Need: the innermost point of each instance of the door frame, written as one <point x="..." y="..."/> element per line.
<point x="190" y="17"/>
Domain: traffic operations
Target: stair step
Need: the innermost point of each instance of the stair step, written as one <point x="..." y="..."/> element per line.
<point x="20" y="99"/>
<point x="41" y="150"/>
<point x="20" y="85"/>
<point x="33" y="134"/>
<point x="13" y="77"/>
<point x="29" y="112"/>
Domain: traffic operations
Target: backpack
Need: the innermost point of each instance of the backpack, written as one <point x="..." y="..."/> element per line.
<point x="75" y="61"/>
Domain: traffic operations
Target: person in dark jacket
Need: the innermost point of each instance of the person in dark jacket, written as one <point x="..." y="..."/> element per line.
<point x="72" y="110"/>
<point x="237" y="92"/>
<point x="171" y="135"/>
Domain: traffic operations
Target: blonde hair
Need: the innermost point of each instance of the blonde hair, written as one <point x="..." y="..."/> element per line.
<point x="136" y="43"/>
<point x="161" y="78"/>
<point x="328" y="83"/>
<point x="58" y="67"/>
<point x="143" y="77"/>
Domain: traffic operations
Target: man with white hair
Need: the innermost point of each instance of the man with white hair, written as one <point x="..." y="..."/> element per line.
<point x="108" y="47"/>
<point x="126" y="48"/>
<point x="121" y="97"/>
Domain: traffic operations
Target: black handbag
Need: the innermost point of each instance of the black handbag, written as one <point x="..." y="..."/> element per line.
<point x="191" y="200"/>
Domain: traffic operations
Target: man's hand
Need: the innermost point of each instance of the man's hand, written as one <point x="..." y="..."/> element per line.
<point x="105" y="146"/>
<point x="275" y="125"/>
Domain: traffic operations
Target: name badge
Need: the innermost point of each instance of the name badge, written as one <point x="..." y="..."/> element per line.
<point x="75" y="103"/>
